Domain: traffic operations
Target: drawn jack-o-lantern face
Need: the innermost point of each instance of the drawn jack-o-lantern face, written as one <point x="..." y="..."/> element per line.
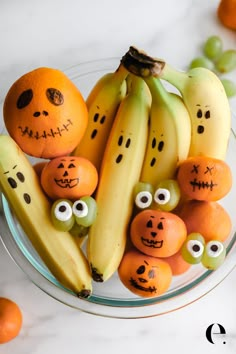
<point x="45" y="113"/>
<point x="158" y="233"/>
<point x="144" y="275"/>
<point x="69" y="177"/>
<point x="204" y="178"/>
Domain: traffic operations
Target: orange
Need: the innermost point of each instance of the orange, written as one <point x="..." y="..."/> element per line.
<point x="177" y="263"/>
<point x="69" y="177"/>
<point x="157" y="233"/>
<point x="10" y="320"/>
<point x="38" y="167"/>
<point x="45" y="113"/>
<point x="210" y="219"/>
<point x="226" y="13"/>
<point x="144" y="275"/>
<point x="204" y="178"/>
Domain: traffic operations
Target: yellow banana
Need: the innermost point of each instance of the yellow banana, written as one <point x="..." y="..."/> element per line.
<point x="58" y="249"/>
<point x="169" y="134"/>
<point x="202" y="93"/>
<point x="102" y="103"/>
<point x="120" y="171"/>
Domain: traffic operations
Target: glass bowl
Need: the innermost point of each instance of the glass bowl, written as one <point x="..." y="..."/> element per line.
<point x="112" y="299"/>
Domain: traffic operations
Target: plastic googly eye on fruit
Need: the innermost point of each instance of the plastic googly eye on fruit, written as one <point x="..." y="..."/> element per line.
<point x="80" y="209"/>
<point x="143" y="199"/>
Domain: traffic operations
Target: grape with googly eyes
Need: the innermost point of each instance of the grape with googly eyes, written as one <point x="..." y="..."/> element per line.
<point x="214" y="254"/>
<point x="193" y="248"/>
<point x="85" y="211"/>
<point x="62" y="215"/>
<point x="143" y="195"/>
<point x="167" y="195"/>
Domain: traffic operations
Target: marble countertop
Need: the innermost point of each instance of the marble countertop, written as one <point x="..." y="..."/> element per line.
<point x="61" y="34"/>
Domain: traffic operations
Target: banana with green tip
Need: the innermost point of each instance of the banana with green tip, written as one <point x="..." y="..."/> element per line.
<point x="59" y="250"/>
<point x="202" y="93"/>
<point x="169" y="134"/>
<point x="120" y="171"/>
<point x="102" y="102"/>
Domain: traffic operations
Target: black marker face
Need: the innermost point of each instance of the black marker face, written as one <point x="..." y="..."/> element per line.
<point x="17" y="179"/>
<point x="203" y="113"/>
<point x="124" y="142"/>
<point x="144" y="273"/>
<point x="207" y="182"/>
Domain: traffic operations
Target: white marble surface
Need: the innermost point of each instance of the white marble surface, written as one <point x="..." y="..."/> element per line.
<point x="64" y="33"/>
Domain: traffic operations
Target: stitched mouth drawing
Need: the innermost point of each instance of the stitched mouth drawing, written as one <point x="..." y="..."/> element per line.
<point x="151" y="243"/>
<point x="52" y="133"/>
<point x="150" y="289"/>
<point x="67" y="183"/>
<point x="202" y="185"/>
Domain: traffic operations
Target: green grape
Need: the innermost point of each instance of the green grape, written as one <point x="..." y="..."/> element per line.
<point x="85" y="211"/>
<point x="213" y="255"/>
<point x="230" y="87"/>
<point x="62" y="215"/>
<point x="213" y="47"/>
<point x="143" y="193"/>
<point x="167" y="194"/>
<point x="227" y="61"/>
<point x="79" y="230"/>
<point x="202" y="62"/>
<point x="193" y="248"/>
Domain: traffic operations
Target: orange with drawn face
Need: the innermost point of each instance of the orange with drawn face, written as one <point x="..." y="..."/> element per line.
<point x="69" y="177"/>
<point x="158" y="233"/>
<point x="45" y="113"/>
<point x="144" y="275"/>
<point x="204" y="178"/>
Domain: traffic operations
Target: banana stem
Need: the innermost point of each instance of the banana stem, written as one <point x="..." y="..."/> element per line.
<point x="140" y="64"/>
<point x="158" y="91"/>
<point x="174" y="77"/>
<point x="121" y="73"/>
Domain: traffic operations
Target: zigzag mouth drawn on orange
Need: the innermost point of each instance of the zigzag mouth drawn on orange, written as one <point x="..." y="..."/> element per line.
<point x="134" y="283"/>
<point x="52" y="133"/>
<point x="67" y="183"/>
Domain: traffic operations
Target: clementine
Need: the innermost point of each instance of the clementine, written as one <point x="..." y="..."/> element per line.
<point x="45" y="113"/>
<point x="10" y="320"/>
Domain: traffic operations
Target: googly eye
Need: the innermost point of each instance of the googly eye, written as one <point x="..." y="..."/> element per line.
<point x="162" y="196"/>
<point x="214" y="254"/>
<point x="143" y="199"/>
<point x="80" y="209"/>
<point x="214" y="248"/>
<point x="195" y="248"/>
<point x="63" y="211"/>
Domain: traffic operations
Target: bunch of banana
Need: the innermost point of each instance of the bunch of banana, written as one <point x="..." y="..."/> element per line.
<point x="120" y="171"/>
<point x="169" y="134"/>
<point x="58" y="249"/>
<point x="204" y="96"/>
<point x="102" y="102"/>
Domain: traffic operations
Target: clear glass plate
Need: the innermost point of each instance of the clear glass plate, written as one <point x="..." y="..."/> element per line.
<point x="111" y="298"/>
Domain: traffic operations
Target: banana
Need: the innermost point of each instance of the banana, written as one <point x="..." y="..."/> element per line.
<point x="204" y="96"/>
<point x="59" y="251"/>
<point x="209" y="109"/>
<point x="102" y="103"/>
<point x="120" y="171"/>
<point x="169" y="134"/>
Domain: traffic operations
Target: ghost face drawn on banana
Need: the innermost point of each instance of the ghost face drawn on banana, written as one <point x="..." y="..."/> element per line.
<point x="16" y="180"/>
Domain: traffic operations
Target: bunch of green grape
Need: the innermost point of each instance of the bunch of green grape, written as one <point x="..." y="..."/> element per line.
<point x="218" y="60"/>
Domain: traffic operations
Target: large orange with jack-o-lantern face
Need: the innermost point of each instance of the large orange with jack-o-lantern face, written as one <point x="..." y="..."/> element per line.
<point x="69" y="177"/>
<point x="204" y="178"/>
<point x="158" y="233"/>
<point x="144" y="275"/>
<point x="45" y="113"/>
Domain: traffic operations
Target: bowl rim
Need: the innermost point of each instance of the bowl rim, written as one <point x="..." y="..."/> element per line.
<point x="101" y="305"/>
